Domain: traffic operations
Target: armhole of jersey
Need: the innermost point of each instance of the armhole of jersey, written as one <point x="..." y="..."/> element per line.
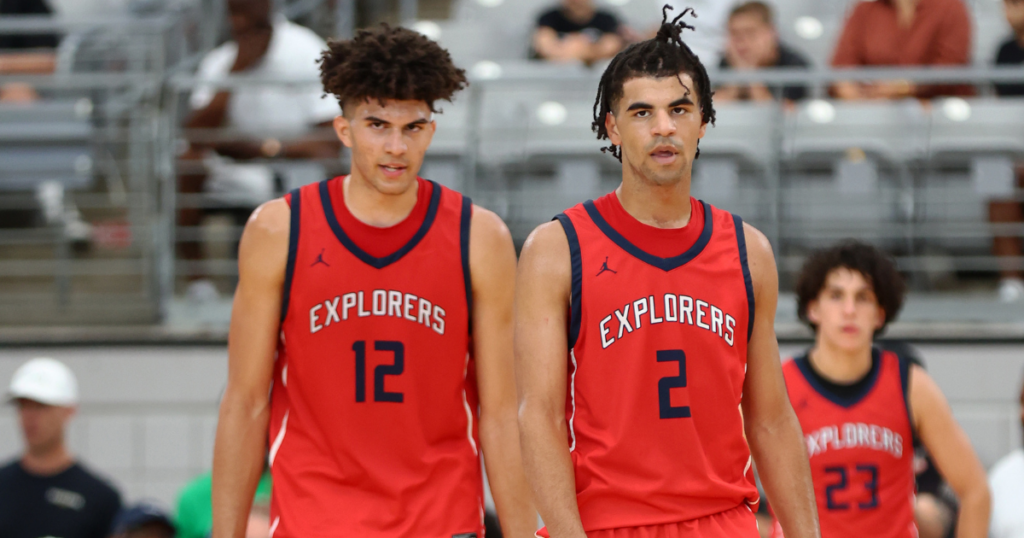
<point x="464" y="222"/>
<point x="905" y="365"/>
<point x="293" y="247"/>
<point x="577" y="278"/>
<point x="741" y="243"/>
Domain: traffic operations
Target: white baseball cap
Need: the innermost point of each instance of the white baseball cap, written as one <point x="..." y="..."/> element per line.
<point x="46" y="381"/>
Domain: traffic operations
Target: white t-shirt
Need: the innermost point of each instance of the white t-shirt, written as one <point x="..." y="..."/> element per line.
<point x="272" y="109"/>
<point x="1007" y="483"/>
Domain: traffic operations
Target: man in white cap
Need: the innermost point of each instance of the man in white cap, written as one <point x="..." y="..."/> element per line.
<point x="45" y="492"/>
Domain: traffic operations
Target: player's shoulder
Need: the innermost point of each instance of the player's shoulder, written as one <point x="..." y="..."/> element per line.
<point x="488" y="226"/>
<point x="546" y="252"/>
<point x="270" y="218"/>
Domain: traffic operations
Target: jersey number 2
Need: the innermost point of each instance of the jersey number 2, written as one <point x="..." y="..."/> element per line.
<point x="395" y="368"/>
<point x="666" y="384"/>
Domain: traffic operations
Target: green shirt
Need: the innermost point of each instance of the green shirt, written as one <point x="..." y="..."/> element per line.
<point x="195" y="507"/>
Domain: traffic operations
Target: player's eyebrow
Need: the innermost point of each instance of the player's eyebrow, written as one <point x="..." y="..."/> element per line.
<point x="684" y="100"/>
<point x="421" y="121"/>
<point x="375" y="119"/>
<point x="639" y="106"/>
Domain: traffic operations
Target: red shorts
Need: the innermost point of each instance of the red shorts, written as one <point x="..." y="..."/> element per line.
<point x="736" y="523"/>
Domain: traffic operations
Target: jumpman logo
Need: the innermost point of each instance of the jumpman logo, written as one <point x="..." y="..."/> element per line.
<point x="320" y="258"/>
<point x="604" y="267"/>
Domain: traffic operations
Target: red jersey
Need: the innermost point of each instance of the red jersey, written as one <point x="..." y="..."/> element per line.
<point x="373" y="407"/>
<point x="658" y="350"/>
<point x="860" y="448"/>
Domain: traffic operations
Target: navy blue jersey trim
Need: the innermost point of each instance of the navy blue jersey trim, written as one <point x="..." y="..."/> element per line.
<point x="293" y="250"/>
<point x="803" y="363"/>
<point x="905" y="366"/>
<point x="464" y="221"/>
<point x="378" y="263"/>
<point x="665" y="264"/>
<point x="576" y="262"/>
<point x="741" y="242"/>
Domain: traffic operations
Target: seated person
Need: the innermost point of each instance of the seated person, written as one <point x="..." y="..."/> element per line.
<point x="753" y="43"/>
<point x="25" y="54"/>
<point x="904" y="33"/>
<point x="272" y="121"/>
<point x="1011" y="286"/>
<point x="576" y="31"/>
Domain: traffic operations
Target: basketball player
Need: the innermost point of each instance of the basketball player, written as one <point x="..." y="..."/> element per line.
<point x="863" y="409"/>
<point x="350" y="332"/>
<point x="666" y="307"/>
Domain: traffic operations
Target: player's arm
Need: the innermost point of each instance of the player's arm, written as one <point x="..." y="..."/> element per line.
<point x="952" y="453"/>
<point x="772" y="428"/>
<point x="492" y="264"/>
<point x="241" y="440"/>
<point x="543" y="283"/>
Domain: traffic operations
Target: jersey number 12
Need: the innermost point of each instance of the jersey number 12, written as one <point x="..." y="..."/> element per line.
<point x="395" y="368"/>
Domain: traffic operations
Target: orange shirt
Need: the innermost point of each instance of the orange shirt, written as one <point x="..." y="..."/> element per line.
<point x="939" y="35"/>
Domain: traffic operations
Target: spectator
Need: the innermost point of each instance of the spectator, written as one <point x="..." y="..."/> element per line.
<point x="577" y="31"/>
<point x="195" y="511"/>
<point x="1011" y="287"/>
<point x="1007" y="483"/>
<point x="46" y="492"/>
<point x="754" y="44"/>
<point x="25" y="53"/>
<point x="903" y="33"/>
<point x="143" y="521"/>
<point x="274" y="122"/>
<point x="1011" y="52"/>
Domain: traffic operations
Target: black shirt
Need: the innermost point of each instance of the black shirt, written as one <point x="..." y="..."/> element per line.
<point x="1010" y="53"/>
<point x="69" y="504"/>
<point x="26" y="41"/>
<point x="787" y="58"/>
<point x="602" y="23"/>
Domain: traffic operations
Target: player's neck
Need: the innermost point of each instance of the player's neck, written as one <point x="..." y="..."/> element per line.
<point x="840" y="365"/>
<point x="661" y="206"/>
<point x="47" y="462"/>
<point x="375" y="208"/>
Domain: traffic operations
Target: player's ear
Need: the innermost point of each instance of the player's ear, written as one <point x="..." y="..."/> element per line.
<point x="880" y="318"/>
<point x="612" y="127"/>
<point x="703" y="129"/>
<point x="343" y="128"/>
<point x="812" y="312"/>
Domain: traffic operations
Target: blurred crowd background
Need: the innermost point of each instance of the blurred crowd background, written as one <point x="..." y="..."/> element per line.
<point x="136" y="136"/>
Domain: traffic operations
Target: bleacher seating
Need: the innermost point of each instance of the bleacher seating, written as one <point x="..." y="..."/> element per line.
<point x="45" y="141"/>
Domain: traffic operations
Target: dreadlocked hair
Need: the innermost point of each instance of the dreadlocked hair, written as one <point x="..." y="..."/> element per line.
<point x="664" y="55"/>
<point x="389" y="63"/>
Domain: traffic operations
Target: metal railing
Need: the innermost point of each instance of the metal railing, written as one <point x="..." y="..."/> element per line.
<point x="497" y="145"/>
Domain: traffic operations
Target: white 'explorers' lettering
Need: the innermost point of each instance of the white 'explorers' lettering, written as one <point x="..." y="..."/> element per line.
<point x="313" y="319"/>
<point x="332" y="311"/>
<point x="382" y="303"/>
<point x="681" y="309"/>
<point x="639" y="309"/>
<point x="623" y="322"/>
<point x="654" y="314"/>
<point x="701" y="315"/>
<point x="605" y="342"/>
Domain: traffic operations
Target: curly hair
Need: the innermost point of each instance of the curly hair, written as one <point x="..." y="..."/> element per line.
<point x="874" y="265"/>
<point x="664" y="55"/>
<point x="389" y="63"/>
